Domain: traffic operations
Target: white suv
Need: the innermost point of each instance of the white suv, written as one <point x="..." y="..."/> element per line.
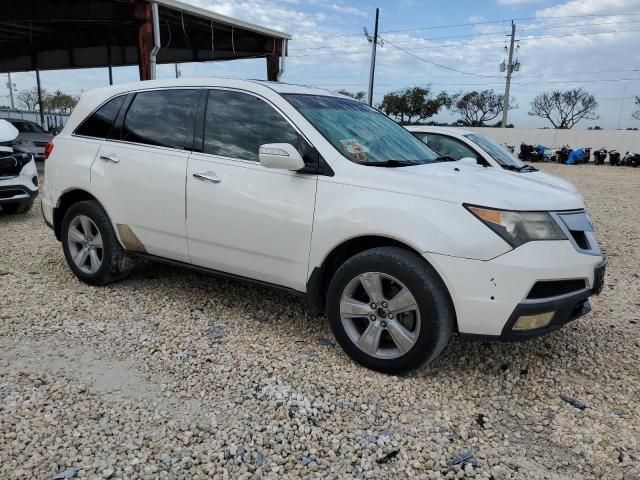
<point x="316" y="193"/>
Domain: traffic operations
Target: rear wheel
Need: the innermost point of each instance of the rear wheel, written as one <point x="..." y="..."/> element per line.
<point x="90" y="245"/>
<point x="17" y="208"/>
<point x="389" y="310"/>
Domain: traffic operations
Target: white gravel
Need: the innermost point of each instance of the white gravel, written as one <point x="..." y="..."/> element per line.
<point x="171" y="374"/>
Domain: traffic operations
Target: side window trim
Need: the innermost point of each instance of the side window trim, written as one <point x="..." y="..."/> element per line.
<point x="199" y="122"/>
<point x="116" y="130"/>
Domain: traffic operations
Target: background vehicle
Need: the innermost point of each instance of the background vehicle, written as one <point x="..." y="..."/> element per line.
<point x="18" y="174"/>
<point x="459" y="143"/>
<point x="599" y="156"/>
<point x="614" y="158"/>
<point x="316" y="193"/>
<point x="631" y="159"/>
<point x="31" y="138"/>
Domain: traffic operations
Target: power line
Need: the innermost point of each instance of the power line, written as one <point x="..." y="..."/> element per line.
<point x="434" y="63"/>
<point x="524" y="19"/>
<point x="425" y="47"/>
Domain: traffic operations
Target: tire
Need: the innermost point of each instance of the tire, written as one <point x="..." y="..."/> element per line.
<point x="17" y="208"/>
<point x="112" y="263"/>
<point x="426" y="329"/>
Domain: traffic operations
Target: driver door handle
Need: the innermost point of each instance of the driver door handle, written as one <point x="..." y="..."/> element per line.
<point x="110" y="158"/>
<point x="207" y="177"/>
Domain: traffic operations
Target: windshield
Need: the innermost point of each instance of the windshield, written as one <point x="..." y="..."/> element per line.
<point x="360" y="133"/>
<point x="499" y="153"/>
<point x="28" y="127"/>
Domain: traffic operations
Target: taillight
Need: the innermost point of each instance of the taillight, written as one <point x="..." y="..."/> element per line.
<point x="48" y="149"/>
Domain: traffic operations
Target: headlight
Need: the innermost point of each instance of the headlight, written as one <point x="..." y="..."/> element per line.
<point x="518" y="228"/>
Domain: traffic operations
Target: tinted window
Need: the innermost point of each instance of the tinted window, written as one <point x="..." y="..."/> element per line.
<point x="27" y="127"/>
<point x="99" y="124"/>
<point x="163" y="118"/>
<point x="447" y="146"/>
<point x="237" y="124"/>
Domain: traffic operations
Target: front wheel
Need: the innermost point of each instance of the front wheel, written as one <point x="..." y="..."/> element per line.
<point x="389" y="310"/>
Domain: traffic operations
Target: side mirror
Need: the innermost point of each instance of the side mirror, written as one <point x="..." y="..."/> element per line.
<point x="281" y="155"/>
<point x="469" y="161"/>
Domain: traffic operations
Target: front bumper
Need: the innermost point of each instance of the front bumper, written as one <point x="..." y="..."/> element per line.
<point x="23" y="187"/>
<point x="490" y="296"/>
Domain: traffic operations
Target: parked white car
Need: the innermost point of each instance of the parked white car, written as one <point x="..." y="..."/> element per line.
<point x="18" y="174"/>
<point x="474" y="148"/>
<point x="316" y="193"/>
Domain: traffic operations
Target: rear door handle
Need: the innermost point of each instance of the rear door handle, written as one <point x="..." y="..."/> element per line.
<point x="208" y="177"/>
<point x="110" y="158"/>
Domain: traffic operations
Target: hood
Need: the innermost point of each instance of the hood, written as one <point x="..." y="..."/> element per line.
<point x="458" y="183"/>
<point x="548" y="179"/>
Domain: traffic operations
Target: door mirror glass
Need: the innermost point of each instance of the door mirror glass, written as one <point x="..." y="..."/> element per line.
<point x="469" y="161"/>
<point x="281" y="155"/>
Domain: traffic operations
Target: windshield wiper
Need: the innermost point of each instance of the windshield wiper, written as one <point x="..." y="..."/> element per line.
<point x="391" y="163"/>
<point x="444" y="158"/>
<point x="528" y="168"/>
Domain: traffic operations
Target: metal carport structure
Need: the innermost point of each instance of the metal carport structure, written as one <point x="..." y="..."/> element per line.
<point x="66" y="34"/>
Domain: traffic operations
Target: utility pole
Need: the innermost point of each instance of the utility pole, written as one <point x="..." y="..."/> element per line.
<point x="10" y="86"/>
<point x="624" y="92"/>
<point x="509" y="68"/>
<point x="374" y="44"/>
<point x="177" y="70"/>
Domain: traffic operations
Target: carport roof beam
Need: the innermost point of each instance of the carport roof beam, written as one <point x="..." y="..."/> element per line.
<point x="65" y="34"/>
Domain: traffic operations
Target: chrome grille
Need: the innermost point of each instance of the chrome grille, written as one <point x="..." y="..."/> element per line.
<point x="578" y="227"/>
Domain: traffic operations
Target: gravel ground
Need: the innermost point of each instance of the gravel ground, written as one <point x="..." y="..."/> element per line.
<point x="172" y="374"/>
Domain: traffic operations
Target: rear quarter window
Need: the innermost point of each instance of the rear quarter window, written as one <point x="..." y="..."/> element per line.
<point x="100" y="123"/>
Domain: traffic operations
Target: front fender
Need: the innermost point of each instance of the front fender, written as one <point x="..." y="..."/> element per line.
<point x="426" y="225"/>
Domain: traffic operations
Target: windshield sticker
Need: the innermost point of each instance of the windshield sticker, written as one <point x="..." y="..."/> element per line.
<point x="354" y="150"/>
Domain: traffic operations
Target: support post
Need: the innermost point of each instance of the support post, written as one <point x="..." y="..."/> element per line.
<point x="10" y="85"/>
<point x="110" y="67"/>
<point x="372" y="71"/>
<point x="273" y="61"/>
<point x="145" y="38"/>
<point x="40" y="102"/>
<point x="505" y="105"/>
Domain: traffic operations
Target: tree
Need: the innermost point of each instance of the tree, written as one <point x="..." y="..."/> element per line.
<point x="413" y="103"/>
<point x="636" y="114"/>
<point x="565" y="108"/>
<point x="477" y="108"/>
<point x="59" y="103"/>
<point x="29" y="98"/>
<point x="357" y="95"/>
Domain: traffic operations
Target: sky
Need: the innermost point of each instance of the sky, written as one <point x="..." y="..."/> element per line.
<point x="591" y="44"/>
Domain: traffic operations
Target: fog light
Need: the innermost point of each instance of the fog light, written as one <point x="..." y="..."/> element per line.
<point x="529" y="322"/>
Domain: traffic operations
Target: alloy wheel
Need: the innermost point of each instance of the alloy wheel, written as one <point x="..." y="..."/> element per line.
<point x="85" y="244"/>
<point x="380" y="315"/>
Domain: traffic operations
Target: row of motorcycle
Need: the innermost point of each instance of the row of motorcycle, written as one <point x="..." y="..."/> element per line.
<point x="570" y="156"/>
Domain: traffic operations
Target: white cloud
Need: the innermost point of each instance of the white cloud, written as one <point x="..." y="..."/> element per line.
<point x="590" y="7"/>
<point x="517" y="2"/>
